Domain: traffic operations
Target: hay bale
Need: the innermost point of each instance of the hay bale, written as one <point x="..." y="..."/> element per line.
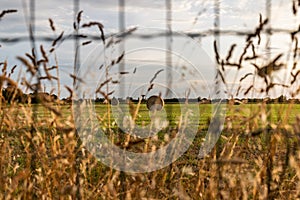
<point x="155" y="103"/>
<point x="114" y="101"/>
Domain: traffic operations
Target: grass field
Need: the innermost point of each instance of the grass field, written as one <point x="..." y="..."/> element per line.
<point x="278" y="113"/>
<point x="43" y="159"/>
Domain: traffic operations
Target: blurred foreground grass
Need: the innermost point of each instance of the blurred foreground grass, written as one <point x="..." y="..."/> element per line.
<point x="257" y="156"/>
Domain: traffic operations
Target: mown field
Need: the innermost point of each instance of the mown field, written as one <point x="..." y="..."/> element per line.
<point x="257" y="154"/>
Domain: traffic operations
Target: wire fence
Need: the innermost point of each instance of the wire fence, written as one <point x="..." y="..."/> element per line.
<point x="122" y="21"/>
<point x="216" y="32"/>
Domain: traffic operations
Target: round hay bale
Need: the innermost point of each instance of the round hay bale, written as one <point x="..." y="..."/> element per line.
<point x="114" y="101"/>
<point x="155" y="103"/>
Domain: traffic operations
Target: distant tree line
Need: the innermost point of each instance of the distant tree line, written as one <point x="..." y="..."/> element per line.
<point x="280" y="99"/>
<point x="13" y="94"/>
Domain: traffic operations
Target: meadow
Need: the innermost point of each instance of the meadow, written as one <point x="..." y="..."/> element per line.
<point x="250" y="160"/>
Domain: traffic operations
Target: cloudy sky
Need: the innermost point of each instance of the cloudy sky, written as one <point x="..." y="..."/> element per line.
<point x="188" y="16"/>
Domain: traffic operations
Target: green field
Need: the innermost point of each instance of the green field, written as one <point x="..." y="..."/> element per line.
<point x="40" y="154"/>
<point x="276" y="113"/>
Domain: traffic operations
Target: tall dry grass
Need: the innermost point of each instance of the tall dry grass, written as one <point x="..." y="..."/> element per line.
<point x="256" y="157"/>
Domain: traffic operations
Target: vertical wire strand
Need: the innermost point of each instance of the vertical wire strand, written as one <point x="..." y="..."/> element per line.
<point x="268" y="32"/>
<point x="36" y="88"/>
<point x="168" y="56"/>
<point x="169" y="46"/>
<point x="121" y="50"/>
<point x="33" y="41"/>
<point x="77" y="151"/>
<point x="32" y="23"/>
<point x="217" y="39"/>
<point x="122" y="44"/>
<point x="217" y="91"/>
<point x="122" y="24"/>
<point x="168" y="63"/>
<point x="76" y="42"/>
<point x="267" y="132"/>
<point x="31" y="30"/>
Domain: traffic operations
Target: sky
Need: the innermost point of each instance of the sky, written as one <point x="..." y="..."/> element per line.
<point x="193" y="60"/>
